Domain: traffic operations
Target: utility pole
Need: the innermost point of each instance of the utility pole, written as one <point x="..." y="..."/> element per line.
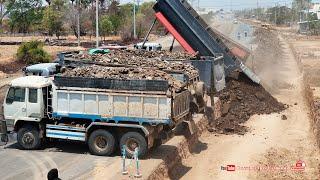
<point x="275" y="16"/>
<point x="97" y="23"/>
<point x="258" y="13"/>
<point x="78" y="22"/>
<point x="134" y="20"/>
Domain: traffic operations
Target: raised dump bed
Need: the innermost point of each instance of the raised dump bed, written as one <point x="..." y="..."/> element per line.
<point x="196" y="36"/>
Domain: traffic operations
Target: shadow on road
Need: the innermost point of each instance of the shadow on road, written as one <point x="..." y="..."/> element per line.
<point x="62" y="146"/>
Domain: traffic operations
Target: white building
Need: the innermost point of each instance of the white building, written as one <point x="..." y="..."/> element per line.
<point x="316" y="9"/>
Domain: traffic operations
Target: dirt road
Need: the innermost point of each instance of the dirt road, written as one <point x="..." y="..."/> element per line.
<point x="271" y="141"/>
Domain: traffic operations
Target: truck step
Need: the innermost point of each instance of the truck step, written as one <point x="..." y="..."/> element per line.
<point x="66" y="132"/>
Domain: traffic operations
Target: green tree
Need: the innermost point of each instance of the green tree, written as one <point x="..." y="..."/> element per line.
<point x="24" y="14"/>
<point x="116" y="22"/>
<point x="5" y="7"/>
<point x="32" y="52"/>
<point x="105" y="26"/>
<point x="300" y="5"/>
<point x="314" y="24"/>
<point x="53" y="17"/>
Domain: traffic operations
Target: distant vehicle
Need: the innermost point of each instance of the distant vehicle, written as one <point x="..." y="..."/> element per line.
<point x="113" y="47"/>
<point x="43" y="69"/>
<point x="235" y="21"/>
<point x="149" y="46"/>
<point x="266" y="26"/>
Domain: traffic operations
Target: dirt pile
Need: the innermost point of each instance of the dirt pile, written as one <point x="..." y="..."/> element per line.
<point x="144" y="59"/>
<point x="240" y="100"/>
<point x="122" y="73"/>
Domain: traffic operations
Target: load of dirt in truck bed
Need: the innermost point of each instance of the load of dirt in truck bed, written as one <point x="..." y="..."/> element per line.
<point x="119" y="56"/>
<point x="146" y="59"/>
<point x="95" y="71"/>
<point x="240" y="100"/>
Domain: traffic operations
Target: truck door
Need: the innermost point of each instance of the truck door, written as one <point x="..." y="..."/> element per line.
<point x="15" y="103"/>
<point x="33" y="103"/>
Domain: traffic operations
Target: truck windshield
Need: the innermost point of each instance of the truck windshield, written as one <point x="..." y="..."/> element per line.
<point x="16" y="94"/>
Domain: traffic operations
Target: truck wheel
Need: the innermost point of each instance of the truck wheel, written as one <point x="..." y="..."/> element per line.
<point x="133" y="140"/>
<point x="101" y="143"/>
<point x="28" y="137"/>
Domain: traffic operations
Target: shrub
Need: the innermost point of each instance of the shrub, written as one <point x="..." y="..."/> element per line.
<point x="32" y="53"/>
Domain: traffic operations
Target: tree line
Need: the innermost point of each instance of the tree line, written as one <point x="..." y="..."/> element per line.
<point x="283" y="15"/>
<point x="59" y="17"/>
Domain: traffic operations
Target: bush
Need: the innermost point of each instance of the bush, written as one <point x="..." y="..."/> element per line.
<point x="32" y="53"/>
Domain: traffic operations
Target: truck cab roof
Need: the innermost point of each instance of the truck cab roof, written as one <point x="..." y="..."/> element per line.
<point x="31" y="82"/>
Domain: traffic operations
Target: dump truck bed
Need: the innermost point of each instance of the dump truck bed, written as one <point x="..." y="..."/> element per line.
<point x="119" y="103"/>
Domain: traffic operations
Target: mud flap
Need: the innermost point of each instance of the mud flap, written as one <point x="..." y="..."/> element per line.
<point x="3" y="132"/>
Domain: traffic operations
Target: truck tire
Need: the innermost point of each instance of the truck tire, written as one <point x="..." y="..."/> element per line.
<point x="101" y="143"/>
<point x="132" y="140"/>
<point x="28" y="137"/>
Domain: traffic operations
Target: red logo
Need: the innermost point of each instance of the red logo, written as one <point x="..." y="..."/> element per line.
<point x="231" y="168"/>
<point x="299" y="166"/>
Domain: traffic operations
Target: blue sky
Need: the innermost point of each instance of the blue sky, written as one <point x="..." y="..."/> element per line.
<point x="235" y="4"/>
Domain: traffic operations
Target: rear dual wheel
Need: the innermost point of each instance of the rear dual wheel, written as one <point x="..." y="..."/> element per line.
<point x="133" y="140"/>
<point x="101" y="142"/>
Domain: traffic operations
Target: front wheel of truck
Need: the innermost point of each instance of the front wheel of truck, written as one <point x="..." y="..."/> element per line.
<point x="28" y="137"/>
<point x="101" y="143"/>
<point x="133" y="140"/>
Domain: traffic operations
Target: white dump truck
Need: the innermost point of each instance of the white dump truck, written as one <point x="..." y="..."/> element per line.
<point x="104" y="113"/>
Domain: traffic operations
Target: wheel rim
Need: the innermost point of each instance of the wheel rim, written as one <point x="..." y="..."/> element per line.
<point x="101" y="143"/>
<point x="131" y="145"/>
<point x="28" y="139"/>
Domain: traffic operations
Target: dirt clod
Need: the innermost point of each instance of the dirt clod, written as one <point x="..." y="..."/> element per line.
<point x="284" y="117"/>
<point x="241" y="99"/>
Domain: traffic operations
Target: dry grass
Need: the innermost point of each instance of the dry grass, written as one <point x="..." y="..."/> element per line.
<point x="7" y="53"/>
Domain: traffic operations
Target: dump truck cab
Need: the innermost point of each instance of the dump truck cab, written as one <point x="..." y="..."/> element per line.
<point x="25" y="101"/>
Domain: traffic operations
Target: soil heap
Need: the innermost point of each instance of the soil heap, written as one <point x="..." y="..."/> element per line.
<point x="241" y="99"/>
